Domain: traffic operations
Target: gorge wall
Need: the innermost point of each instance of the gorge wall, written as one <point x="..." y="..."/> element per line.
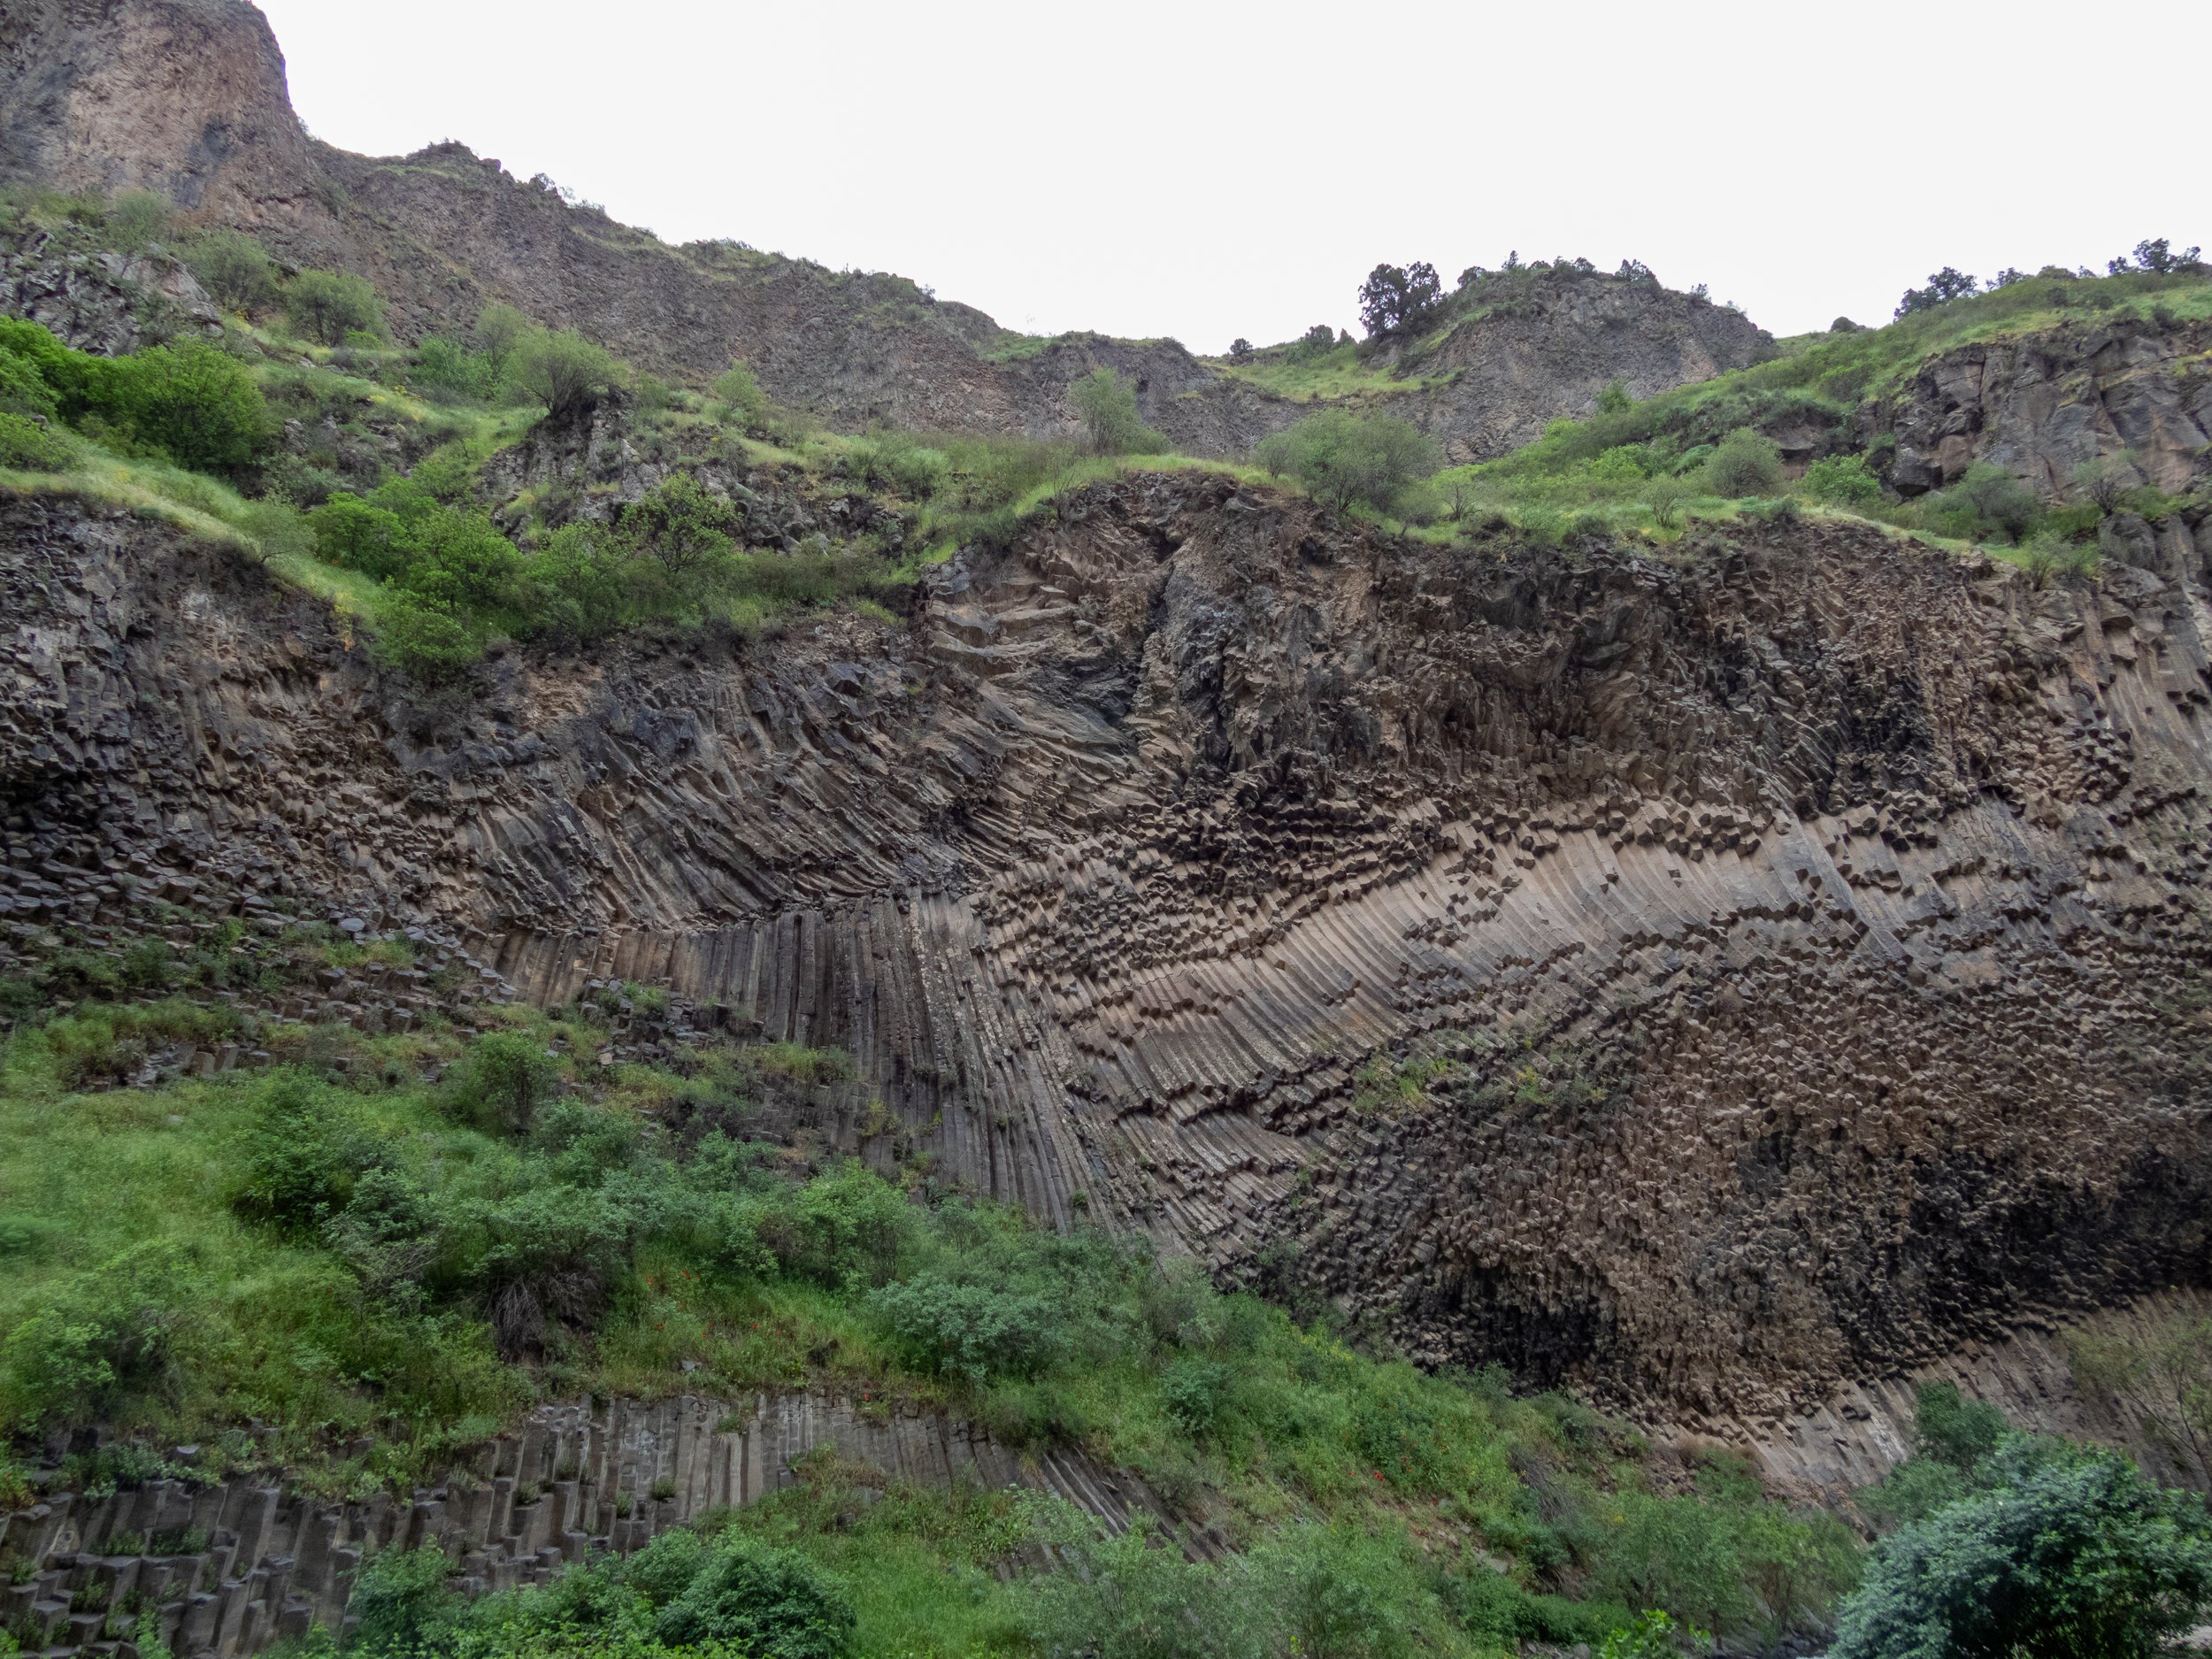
<point x="188" y="98"/>
<point x="1710" y="982"/>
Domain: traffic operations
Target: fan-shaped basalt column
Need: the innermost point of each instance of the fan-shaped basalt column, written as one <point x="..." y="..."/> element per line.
<point x="1701" y="979"/>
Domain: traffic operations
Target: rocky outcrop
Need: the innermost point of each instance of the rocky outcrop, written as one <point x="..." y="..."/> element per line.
<point x="2040" y="404"/>
<point x="1707" y="982"/>
<point x="228" y="1568"/>
<point x="104" y="303"/>
<point x="1515" y="367"/>
<point x="187" y="97"/>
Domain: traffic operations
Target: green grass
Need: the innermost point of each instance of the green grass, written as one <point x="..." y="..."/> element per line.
<point x="180" y="1212"/>
<point x="1342" y="373"/>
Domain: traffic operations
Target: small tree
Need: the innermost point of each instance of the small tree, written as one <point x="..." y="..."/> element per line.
<point x="499" y="327"/>
<point x="1614" y="399"/>
<point x="325" y="306"/>
<point x="1944" y="286"/>
<point x="1343" y="457"/>
<point x="561" y="371"/>
<point x="2104" y="479"/>
<point x="1240" y="350"/>
<point x="2156" y="255"/>
<point x="744" y="402"/>
<point x="233" y="268"/>
<point x="2067" y="1554"/>
<point x="1745" y="463"/>
<point x="681" y="526"/>
<point x="1395" y="297"/>
<point x="1107" y="405"/>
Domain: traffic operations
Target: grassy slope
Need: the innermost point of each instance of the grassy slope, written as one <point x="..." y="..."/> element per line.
<point x="154" y="1284"/>
<point x="1597" y="473"/>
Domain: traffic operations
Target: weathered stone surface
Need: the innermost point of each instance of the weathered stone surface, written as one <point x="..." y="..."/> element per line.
<point x="1707" y="983"/>
<point x="2040" y="404"/>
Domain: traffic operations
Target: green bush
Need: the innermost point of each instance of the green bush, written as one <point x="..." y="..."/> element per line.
<point x="1130" y="1600"/>
<point x="1952" y="1429"/>
<point x="2067" y="1554"/>
<point x="1986" y="502"/>
<point x="744" y="404"/>
<point x="1843" y="480"/>
<point x="94" y="1339"/>
<point x="195" y="401"/>
<point x="447" y="366"/>
<point x="401" y="1600"/>
<point x="138" y="218"/>
<point x="23" y="390"/>
<point x="772" y="1603"/>
<point x="1112" y="423"/>
<point x="1345" y="458"/>
<point x="561" y="371"/>
<point x="502" y="1082"/>
<point x="29" y="447"/>
<point x="233" y="268"/>
<point x="977" y="1332"/>
<point x="327" y="305"/>
<point x="1744" y="463"/>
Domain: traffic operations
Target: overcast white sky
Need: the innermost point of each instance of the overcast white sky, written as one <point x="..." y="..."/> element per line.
<point x="1207" y="170"/>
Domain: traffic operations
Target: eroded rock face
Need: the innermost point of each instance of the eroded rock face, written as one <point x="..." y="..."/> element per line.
<point x="2040" y="405"/>
<point x="1703" y="983"/>
<point x="107" y="303"/>
<point x="187" y="97"/>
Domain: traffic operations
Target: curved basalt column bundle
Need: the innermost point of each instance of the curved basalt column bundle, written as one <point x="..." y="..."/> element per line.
<point x="1702" y="980"/>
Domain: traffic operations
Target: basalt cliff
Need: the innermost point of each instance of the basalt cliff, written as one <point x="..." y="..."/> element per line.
<point x="1709" y="982"/>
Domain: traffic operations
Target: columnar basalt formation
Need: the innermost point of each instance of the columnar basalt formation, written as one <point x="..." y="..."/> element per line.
<point x="1705" y="980"/>
<point x="228" y="1568"/>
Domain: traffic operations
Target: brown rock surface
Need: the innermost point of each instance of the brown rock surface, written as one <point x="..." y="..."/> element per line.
<point x="1703" y="982"/>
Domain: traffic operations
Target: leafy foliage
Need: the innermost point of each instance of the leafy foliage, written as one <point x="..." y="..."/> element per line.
<point x="1112" y="422"/>
<point x="1395" y="298"/>
<point x="1345" y="458"/>
<point x="325" y="306"/>
<point x="1745" y="463"/>
<point x="233" y="268"/>
<point x="563" y="371"/>
<point x="2065" y="1551"/>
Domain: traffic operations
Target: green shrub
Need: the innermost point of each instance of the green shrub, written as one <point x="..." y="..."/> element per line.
<point x="895" y="460"/>
<point x="976" y="1332"/>
<point x="447" y="366"/>
<point x="1843" y="480"/>
<point x="1195" y="1391"/>
<point x="744" y="404"/>
<point x="233" y="268"/>
<point x="502" y="1082"/>
<point x="195" y="401"/>
<point x="771" y="1603"/>
<point x="1112" y="423"/>
<point x="427" y="639"/>
<point x="401" y="1599"/>
<point x="93" y="1339"/>
<point x="1345" y="458"/>
<point x="2067" y="1554"/>
<point x="327" y="305"/>
<point x="1132" y="1601"/>
<point x="29" y="447"/>
<point x="1952" y="1429"/>
<point x="23" y="390"/>
<point x="138" y="218"/>
<point x="1744" y="463"/>
<point x="1614" y="400"/>
<point x="1986" y="502"/>
<point x="561" y="371"/>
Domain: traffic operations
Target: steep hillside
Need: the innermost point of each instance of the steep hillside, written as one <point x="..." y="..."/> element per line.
<point x="1640" y="972"/>
<point x="187" y="97"/>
